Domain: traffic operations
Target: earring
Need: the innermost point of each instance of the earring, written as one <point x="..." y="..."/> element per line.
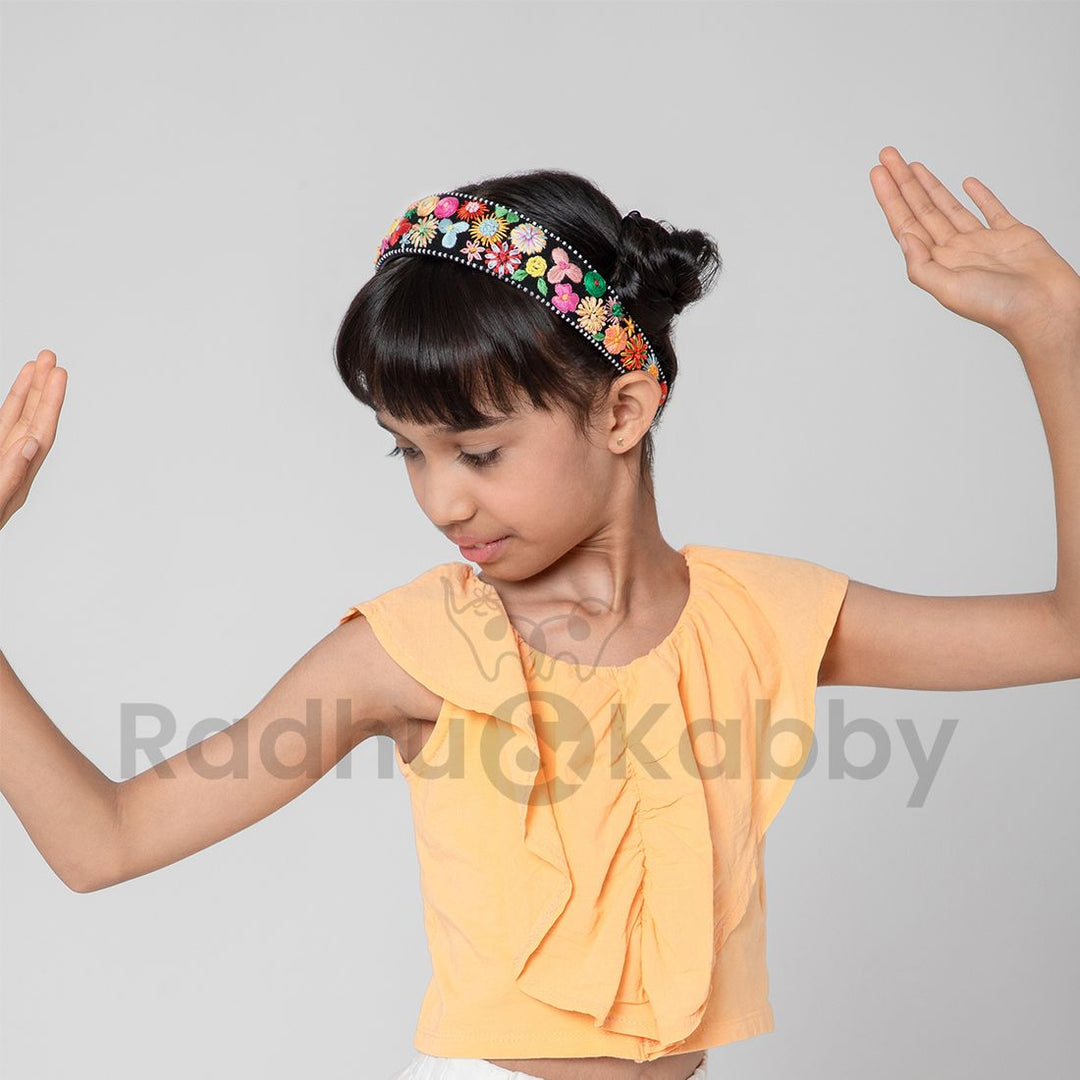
<point x="620" y="440"/>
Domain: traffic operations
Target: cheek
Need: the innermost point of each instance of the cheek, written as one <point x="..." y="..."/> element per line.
<point x="562" y="485"/>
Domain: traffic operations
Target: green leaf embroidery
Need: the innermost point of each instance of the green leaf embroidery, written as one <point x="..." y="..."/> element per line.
<point x="517" y="275"/>
<point x="541" y="284"/>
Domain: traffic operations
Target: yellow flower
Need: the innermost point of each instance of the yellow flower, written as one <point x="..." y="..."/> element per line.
<point x="425" y="206"/>
<point x="536" y="266"/>
<point x="590" y="313"/>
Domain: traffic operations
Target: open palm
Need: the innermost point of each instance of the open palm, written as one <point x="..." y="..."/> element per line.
<point x="1004" y="275"/>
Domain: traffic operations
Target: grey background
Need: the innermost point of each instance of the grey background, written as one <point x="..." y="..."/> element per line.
<point x="191" y="195"/>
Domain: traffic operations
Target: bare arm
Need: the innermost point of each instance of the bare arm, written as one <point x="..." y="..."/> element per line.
<point x="65" y="803"/>
<point x="95" y="832"/>
<point x="886" y="638"/>
<point x="1007" y="277"/>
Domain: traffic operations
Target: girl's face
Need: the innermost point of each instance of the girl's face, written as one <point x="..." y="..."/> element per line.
<point x="530" y="477"/>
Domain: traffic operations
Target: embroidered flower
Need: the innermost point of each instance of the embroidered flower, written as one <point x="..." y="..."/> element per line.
<point x="398" y="229"/>
<point x="451" y="230"/>
<point x="527" y="238"/>
<point x="502" y="259"/>
<point x="488" y="230"/>
<point x="536" y="266"/>
<point x="590" y="313"/>
<point x="595" y="285"/>
<point x="565" y="299"/>
<point x="472" y="251"/>
<point x="422" y="232"/>
<point x="563" y="267"/>
<point x="472" y="209"/>
<point x="615" y="339"/>
<point x="446" y="206"/>
<point x="425" y="206"/>
<point x="636" y="352"/>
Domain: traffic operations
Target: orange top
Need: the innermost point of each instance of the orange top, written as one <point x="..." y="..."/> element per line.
<point x="591" y="840"/>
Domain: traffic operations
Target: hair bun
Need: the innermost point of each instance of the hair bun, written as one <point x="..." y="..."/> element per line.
<point x="661" y="269"/>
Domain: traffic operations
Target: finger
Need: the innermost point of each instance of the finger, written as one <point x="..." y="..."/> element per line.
<point x="15" y="401"/>
<point x="989" y="204"/>
<point x="897" y="212"/>
<point x="43" y="365"/>
<point x="42" y="426"/>
<point x="922" y="207"/>
<point x="43" y="423"/>
<point x="962" y="219"/>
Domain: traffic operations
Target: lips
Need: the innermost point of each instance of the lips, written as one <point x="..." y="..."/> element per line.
<point x="474" y="541"/>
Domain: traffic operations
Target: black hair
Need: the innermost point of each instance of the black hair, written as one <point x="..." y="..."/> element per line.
<point x="434" y="342"/>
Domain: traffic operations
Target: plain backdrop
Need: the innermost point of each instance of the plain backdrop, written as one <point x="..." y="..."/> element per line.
<point x="191" y="196"/>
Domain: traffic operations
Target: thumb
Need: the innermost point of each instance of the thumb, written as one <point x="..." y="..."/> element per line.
<point x="912" y="246"/>
<point x="15" y="465"/>
<point x="921" y="268"/>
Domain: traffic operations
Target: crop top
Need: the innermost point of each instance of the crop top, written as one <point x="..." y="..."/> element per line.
<point x="591" y="839"/>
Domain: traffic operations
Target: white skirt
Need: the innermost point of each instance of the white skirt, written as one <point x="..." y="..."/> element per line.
<point x="428" y="1067"/>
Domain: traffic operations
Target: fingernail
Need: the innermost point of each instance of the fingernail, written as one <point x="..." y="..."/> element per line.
<point x="903" y="244"/>
<point x="29" y="448"/>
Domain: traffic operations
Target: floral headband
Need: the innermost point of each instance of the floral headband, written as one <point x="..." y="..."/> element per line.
<point x="498" y="240"/>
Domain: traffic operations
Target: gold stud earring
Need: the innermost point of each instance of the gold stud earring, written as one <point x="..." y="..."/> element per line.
<point x="620" y="440"/>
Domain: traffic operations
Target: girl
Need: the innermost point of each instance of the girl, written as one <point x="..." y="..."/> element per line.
<point x="594" y="910"/>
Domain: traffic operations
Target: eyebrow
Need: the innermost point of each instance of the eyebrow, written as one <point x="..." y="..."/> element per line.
<point x="453" y="429"/>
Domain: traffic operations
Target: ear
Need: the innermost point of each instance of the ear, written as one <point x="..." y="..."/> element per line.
<point x="632" y="404"/>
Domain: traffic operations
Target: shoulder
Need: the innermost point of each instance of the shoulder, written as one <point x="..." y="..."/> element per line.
<point x="389" y="646"/>
<point x="383" y="692"/>
<point x="769" y="576"/>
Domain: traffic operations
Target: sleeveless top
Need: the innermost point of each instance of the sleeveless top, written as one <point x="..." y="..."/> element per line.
<point x="591" y="839"/>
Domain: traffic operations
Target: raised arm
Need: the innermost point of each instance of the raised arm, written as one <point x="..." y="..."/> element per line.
<point x="1009" y="278"/>
<point x="95" y="832"/>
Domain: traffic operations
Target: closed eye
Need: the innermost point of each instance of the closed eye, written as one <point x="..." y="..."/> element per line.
<point x="477" y="461"/>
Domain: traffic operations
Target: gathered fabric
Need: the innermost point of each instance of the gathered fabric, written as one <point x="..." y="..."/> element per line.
<point x="591" y="839"/>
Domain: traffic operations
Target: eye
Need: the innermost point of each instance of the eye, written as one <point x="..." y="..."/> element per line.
<point x="476" y="461"/>
<point x="480" y="461"/>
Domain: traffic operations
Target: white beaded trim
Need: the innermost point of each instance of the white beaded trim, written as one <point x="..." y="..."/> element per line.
<point x="413" y="249"/>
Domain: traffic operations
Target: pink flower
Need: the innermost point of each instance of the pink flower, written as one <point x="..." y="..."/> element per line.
<point x="562" y="267"/>
<point x="565" y="299"/>
<point x="446" y="206"/>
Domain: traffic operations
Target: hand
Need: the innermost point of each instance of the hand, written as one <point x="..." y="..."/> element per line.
<point x="29" y="414"/>
<point x="1006" y="276"/>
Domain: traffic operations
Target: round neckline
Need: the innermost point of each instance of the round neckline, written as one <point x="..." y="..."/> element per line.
<point x="612" y="669"/>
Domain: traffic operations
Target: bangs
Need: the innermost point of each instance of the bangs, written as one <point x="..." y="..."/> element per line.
<point x="433" y="342"/>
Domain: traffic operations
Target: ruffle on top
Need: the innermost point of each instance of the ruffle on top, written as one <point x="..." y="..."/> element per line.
<point x="635" y="880"/>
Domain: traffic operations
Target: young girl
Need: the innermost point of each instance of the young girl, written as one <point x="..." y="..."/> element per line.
<point x="596" y="728"/>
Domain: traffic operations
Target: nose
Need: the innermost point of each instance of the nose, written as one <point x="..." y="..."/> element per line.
<point x="446" y="498"/>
